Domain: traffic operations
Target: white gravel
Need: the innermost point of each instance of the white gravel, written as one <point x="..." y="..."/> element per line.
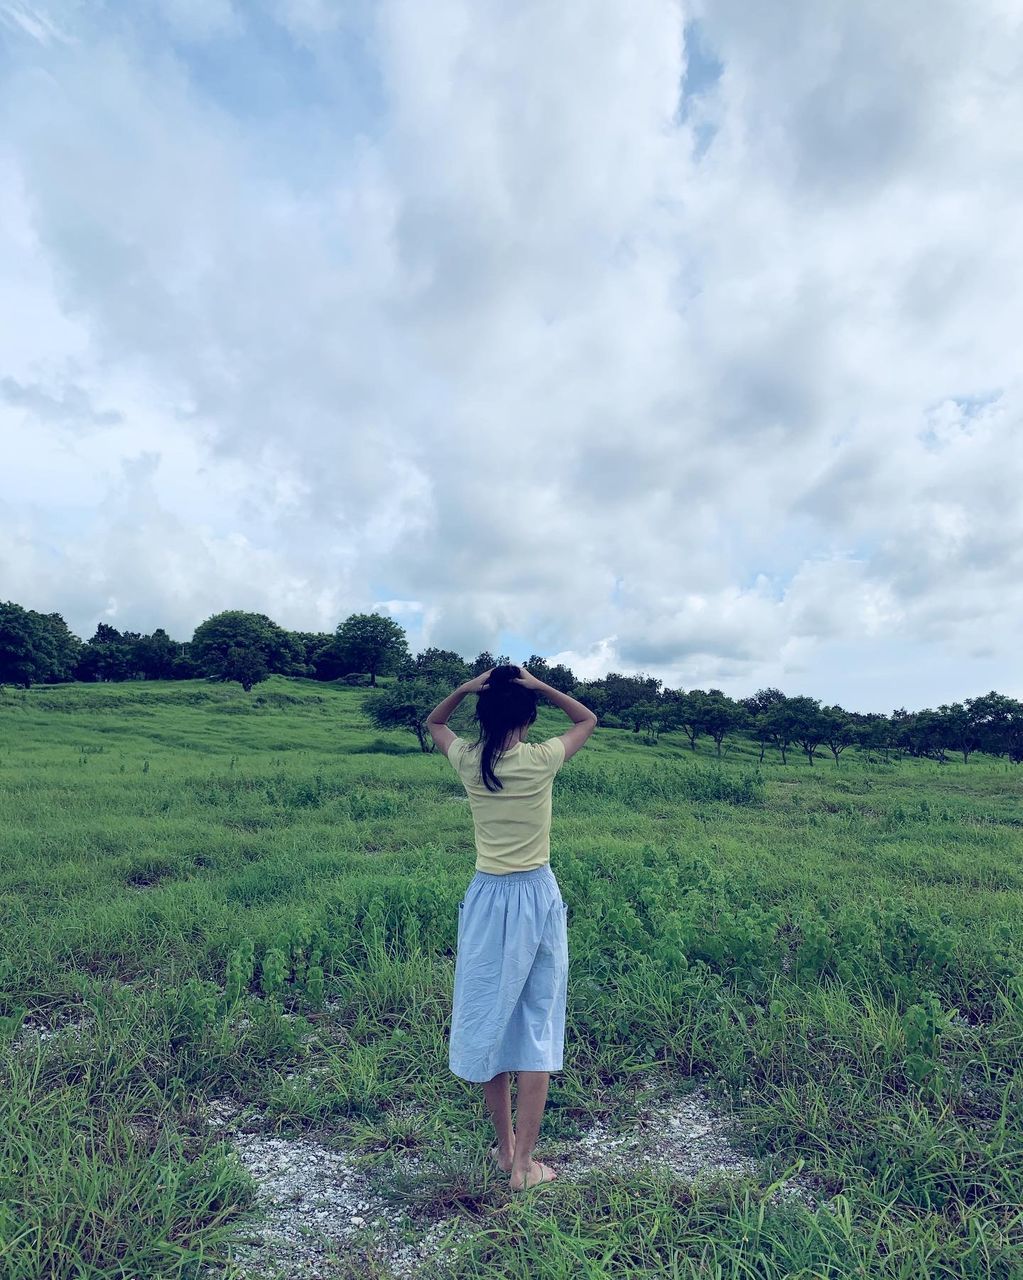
<point x="34" y="1031"/>
<point x="317" y="1204"/>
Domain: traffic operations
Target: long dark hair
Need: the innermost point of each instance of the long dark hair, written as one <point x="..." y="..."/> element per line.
<point x="501" y="707"/>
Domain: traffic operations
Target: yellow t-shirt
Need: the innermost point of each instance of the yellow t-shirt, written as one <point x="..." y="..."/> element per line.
<point x="513" y="825"/>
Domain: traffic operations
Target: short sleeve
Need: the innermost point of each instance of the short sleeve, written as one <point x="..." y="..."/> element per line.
<point x="552" y="752"/>
<point x="454" y="752"/>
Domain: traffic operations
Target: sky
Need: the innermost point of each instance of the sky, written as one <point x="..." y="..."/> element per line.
<point x="675" y="339"/>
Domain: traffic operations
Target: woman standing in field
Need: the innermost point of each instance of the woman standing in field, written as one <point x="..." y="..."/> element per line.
<point x="511" y="968"/>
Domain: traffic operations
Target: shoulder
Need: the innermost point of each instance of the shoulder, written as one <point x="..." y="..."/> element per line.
<point x="457" y="748"/>
<point x="550" y="753"/>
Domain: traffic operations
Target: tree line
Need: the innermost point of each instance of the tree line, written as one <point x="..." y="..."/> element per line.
<point x="37" y="648"/>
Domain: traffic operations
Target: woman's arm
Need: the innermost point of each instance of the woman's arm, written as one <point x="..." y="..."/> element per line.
<point x="441" y="712"/>
<point x="436" y="721"/>
<point x="576" y="711"/>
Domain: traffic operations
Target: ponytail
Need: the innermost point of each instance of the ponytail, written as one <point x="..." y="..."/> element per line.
<point x="502" y="706"/>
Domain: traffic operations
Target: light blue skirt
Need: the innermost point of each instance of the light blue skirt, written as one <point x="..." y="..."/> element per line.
<point x="511" y="975"/>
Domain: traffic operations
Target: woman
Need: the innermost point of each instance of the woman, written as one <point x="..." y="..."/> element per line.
<point x="511" y="968"/>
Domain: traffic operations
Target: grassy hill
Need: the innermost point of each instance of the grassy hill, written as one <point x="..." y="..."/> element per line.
<point x="223" y="889"/>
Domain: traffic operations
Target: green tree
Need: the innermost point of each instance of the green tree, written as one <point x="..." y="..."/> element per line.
<point x="405" y="705"/>
<point x="591" y="694"/>
<point x="720" y="714"/>
<point x="810" y="726"/>
<point x="482" y="662"/>
<point x="63" y="647"/>
<point x="685" y="711"/>
<point x="757" y="707"/>
<point x="311" y="643"/>
<point x="247" y="665"/>
<point x="622" y="692"/>
<point x="21" y="646"/>
<point x="840" y="729"/>
<point x="561" y="678"/>
<point x="441" y="667"/>
<point x="35" y="648"/>
<point x="156" y="654"/>
<point x="246" y="647"/>
<point x="645" y="715"/>
<point x="962" y="727"/>
<point x="107" y="656"/>
<point x="538" y="667"/>
<point x="874" y="733"/>
<point x="185" y="666"/>
<point x="927" y="734"/>
<point x="762" y="699"/>
<point x="782" y="723"/>
<point x="326" y="660"/>
<point x="1000" y="724"/>
<point x="370" y="643"/>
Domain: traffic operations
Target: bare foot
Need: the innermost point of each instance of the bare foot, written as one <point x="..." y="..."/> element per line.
<point x="537" y="1173"/>
<point x="504" y="1162"/>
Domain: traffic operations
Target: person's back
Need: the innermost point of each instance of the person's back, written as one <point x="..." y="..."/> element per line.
<point x="512" y="825"/>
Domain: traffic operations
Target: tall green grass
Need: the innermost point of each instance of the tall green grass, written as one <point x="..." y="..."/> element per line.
<point x="839" y="950"/>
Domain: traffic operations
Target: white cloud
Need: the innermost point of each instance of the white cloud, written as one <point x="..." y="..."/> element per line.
<point x="31" y="20"/>
<point x="534" y="332"/>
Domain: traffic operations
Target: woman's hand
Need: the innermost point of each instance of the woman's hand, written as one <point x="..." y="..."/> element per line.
<point x="477" y="682"/>
<point x="527" y="679"/>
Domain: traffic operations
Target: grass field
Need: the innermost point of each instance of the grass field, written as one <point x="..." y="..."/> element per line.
<point x="226" y="890"/>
